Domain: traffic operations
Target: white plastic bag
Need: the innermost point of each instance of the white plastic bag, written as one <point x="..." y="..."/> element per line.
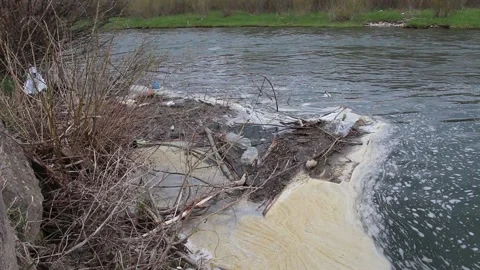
<point x="249" y="156"/>
<point x="34" y="83"/>
<point x="238" y="140"/>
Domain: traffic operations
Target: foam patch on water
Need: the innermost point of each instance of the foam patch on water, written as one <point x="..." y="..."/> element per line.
<point x="312" y="225"/>
<point x="246" y="112"/>
<point x="424" y="200"/>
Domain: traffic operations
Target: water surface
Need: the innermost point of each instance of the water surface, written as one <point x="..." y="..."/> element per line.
<point x="422" y="208"/>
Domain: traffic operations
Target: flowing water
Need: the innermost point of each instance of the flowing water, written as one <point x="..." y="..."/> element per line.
<point x="422" y="206"/>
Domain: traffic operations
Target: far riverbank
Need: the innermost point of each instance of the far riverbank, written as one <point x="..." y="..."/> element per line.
<point x="462" y="19"/>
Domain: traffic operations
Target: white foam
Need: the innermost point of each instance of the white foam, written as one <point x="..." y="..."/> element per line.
<point x="331" y="226"/>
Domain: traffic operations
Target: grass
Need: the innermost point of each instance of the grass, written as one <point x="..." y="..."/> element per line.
<point x="468" y="18"/>
<point x="464" y="19"/>
<point x="7" y="85"/>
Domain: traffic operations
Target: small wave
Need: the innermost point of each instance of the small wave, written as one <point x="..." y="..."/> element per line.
<point x="466" y="101"/>
<point x="459" y="120"/>
<point x="397" y="113"/>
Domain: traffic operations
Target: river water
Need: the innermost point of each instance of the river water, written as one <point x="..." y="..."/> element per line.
<point x="422" y="207"/>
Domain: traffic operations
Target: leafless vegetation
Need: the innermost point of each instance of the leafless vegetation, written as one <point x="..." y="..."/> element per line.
<point x="78" y="135"/>
<point x="25" y="24"/>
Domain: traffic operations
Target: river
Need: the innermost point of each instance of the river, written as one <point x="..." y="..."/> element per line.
<point x="422" y="206"/>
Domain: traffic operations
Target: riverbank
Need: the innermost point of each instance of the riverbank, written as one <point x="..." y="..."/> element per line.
<point x="462" y="19"/>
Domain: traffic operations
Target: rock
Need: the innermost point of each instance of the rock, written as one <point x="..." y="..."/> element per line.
<point x="8" y="259"/>
<point x="238" y="140"/>
<point x="249" y="156"/>
<point x="311" y="164"/>
<point x="20" y="189"/>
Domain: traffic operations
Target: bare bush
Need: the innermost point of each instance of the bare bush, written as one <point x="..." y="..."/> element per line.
<point x="442" y="8"/>
<point x="78" y="136"/>
<point x="344" y="10"/>
<point x="66" y="20"/>
<point x="303" y="6"/>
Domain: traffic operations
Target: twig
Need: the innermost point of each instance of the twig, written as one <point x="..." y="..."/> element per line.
<point x="325" y="153"/>
<point x="220" y="163"/>
<point x="269" y="150"/>
<point x="270" y="204"/>
<point x="188" y="260"/>
<point x="178" y="217"/>
<point x="188" y="211"/>
<point x="273" y="90"/>
<point x="343" y="109"/>
<point x="81" y="244"/>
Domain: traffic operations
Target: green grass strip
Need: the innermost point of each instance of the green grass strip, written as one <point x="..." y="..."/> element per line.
<point x="468" y="18"/>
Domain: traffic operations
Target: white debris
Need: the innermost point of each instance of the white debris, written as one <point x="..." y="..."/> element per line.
<point x="35" y="82"/>
<point x="238" y="140"/>
<point x="310" y="164"/>
<point x="140" y="91"/>
<point x="385" y="24"/>
<point x="249" y="156"/>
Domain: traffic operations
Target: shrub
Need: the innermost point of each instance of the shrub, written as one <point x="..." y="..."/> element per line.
<point x="442" y="8"/>
<point x="77" y="135"/>
<point x="302" y="7"/>
<point x="19" y="22"/>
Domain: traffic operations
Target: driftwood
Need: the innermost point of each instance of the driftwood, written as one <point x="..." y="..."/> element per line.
<point x="287" y="169"/>
<point x="218" y="158"/>
<point x="178" y="217"/>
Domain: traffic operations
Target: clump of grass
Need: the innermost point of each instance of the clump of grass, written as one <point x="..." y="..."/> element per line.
<point x="7" y="85"/>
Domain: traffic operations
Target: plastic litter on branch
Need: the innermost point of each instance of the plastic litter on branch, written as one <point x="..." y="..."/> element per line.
<point x="238" y="140"/>
<point x="137" y="91"/>
<point x="34" y="83"/>
<point x="155" y="85"/>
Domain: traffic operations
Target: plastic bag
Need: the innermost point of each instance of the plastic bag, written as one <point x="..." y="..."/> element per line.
<point x="249" y="156"/>
<point x="238" y="140"/>
<point x="34" y="83"/>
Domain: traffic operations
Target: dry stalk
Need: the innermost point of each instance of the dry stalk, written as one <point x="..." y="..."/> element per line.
<point x="219" y="159"/>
